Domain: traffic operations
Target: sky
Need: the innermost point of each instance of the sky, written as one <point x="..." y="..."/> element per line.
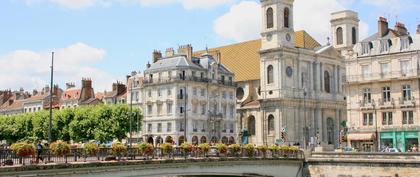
<point x="107" y="39"/>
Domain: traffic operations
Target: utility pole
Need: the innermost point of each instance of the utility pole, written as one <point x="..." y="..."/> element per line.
<point x="185" y="113"/>
<point x="131" y="111"/>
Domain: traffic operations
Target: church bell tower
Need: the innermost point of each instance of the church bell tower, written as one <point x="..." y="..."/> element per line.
<point x="277" y="24"/>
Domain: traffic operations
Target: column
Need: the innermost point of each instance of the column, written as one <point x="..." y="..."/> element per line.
<point x="334" y="79"/>
<point x="337" y="128"/>
<point x="339" y="79"/>
<point x="321" y="78"/>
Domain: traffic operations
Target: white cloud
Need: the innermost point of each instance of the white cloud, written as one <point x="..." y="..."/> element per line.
<point x="31" y="69"/>
<point x="243" y="21"/>
<point x="187" y="4"/>
<point x="74" y="4"/>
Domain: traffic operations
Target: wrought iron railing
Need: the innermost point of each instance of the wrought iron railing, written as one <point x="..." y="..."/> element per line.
<point x="7" y="157"/>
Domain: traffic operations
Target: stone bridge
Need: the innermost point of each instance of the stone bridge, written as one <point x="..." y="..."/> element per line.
<point x="213" y="167"/>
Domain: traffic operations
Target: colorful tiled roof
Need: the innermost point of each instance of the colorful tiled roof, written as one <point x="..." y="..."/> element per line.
<point x="244" y="58"/>
<point x="71" y="94"/>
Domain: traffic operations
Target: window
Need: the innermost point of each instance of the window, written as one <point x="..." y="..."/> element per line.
<point x="231" y="95"/>
<point x="384" y="68"/>
<point x="407" y="117"/>
<point x="269" y="17"/>
<point x="149" y="128"/>
<point x="203" y="109"/>
<point x="159" y="109"/>
<point x="203" y="92"/>
<point x="202" y="75"/>
<point x="270" y="74"/>
<point x="169" y="108"/>
<point x="339" y="36"/>
<point x="223" y="79"/>
<point x="181" y="126"/>
<point x="386" y="118"/>
<point x="194" y="91"/>
<point x="224" y="94"/>
<point x="195" y="125"/>
<point x="232" y="111"/>
<point x="404" y="67"/>
<point x="149" y="93"/>
<point x="327" y="82"/>
<point x="169" y="92"/>
<point x="367" y="119"/>
<point x="159" y="128"/>
<point x="230" y="80"/>
<point x="286" y="17"/>
<point x="353" y="35"/>
<point x="149" y="109"/>
<point x="365" y="71"/>
<point x="270" y="124"/>
<point x="407" y="92"/>
<point x="224" y="111"/>
<point x="169" y="127"/>
<point x="251" y="125"/>
<point x="160" y="77"/>
<point x="231" y="127"/>
<point x="181" y="109"/>
<point x="385" y="45"/>
<point x="181" y="94"/>
<point x="194" y="108"/>
<point x="367" y="95"/>
<point x="169" y="75"/>
<point x="159" y="92"/>
<point x="386" y="94"/>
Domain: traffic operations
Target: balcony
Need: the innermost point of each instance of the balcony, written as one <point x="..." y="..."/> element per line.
<point x="364" y="78"/>
<point x="367" y="104"/>
<point x="407" y="102"/>
<point x="386" y="104"/>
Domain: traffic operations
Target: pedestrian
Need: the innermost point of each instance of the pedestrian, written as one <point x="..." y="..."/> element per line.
<point x="39" y="150"/>
<point x="414" y="148"/>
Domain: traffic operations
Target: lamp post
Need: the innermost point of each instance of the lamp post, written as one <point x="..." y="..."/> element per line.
<point x="305" y="128"/>
<point x="51" y="100"/>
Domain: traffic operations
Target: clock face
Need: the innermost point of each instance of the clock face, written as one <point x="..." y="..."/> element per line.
<point x="288" y="37"/>
<point x="289" y="71"/>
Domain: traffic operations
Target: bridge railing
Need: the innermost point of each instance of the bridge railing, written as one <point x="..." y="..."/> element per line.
<point x="7" y="157"/>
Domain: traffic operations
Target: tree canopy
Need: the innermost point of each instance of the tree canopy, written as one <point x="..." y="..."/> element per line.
<point x="102" y="123"/>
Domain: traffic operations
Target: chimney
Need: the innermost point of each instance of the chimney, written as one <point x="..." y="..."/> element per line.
<point x="418" y="29"/>
<point x="11" y="101"/>
<point x="186" y="50"/>
<point x="169" y="52"/>
<point x="55" y="91"/>
<point x="401" y="29"/>
<point x="70" y="85"/>
<point x="121" y="88"/>
<point x="87" y="90"/>
<point x="156" y="56"/>
<point x="86" y="83"/>
<point x="34" y="92"/>
<point x="114" y="87"/>
<point x="382" y="27"/>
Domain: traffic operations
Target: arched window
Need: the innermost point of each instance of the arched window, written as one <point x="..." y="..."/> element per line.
<point x="269" y="16"/>
<point x="327" y="82"/>
<point x="270" y="124"/>
<point x="270" y="74"/>
<point x="330" y="130"/>
<point x="251" y="125"/>
<point x="339" y="36"/>
<point x="286" y="17"/>
<point x="353" y="35"/>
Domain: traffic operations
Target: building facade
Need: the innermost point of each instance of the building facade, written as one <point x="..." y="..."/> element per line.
<point x="73" y="97"/>
<point x="186" y="98"/>
<point x="383" y="89"/>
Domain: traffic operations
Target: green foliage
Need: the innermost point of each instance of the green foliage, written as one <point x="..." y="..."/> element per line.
<point x="273" y="148"/>
<point x="262" y="148"/>
<point x="60" y="148"/>
<point x="235" y="148"/>
<point x="167" y="148"/>
<point x="186" y="147"/>
<point x="103" y="123"/>
<point x="250" y="149"/>
<point x="118" y="149"/>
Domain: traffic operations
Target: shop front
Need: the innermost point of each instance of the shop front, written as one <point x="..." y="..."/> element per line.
<point x="363" y="142"/>
<point x="403" y="141"/>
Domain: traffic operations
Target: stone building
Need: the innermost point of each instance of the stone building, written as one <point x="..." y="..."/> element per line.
<point x="185" y="95"/>
<point x="73" y="97"/>
<point x="11" y="102"/>
<point x="41" y="100"/>
<point x="383" y="89"/>
<point x="118" y="95"/>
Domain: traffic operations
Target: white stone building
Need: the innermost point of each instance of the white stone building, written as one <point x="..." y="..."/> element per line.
<point x="383" y="89"/>
<point x="185" y="95"/>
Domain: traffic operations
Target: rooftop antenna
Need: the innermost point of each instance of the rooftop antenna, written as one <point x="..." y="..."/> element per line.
<point x="207" y="49"/>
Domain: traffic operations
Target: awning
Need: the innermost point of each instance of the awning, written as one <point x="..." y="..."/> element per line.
<point x="361" y="136"/>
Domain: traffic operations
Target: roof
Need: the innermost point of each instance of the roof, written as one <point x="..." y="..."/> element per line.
<point x="172" y="62"/>
<point x="243" y="58"/>
<point x="99" y="95"/>
<point x="71" y="94"/>
<point x="17" y="104"/>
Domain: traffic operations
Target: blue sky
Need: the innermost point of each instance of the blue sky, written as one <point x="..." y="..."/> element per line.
<point x="107" y="39"/>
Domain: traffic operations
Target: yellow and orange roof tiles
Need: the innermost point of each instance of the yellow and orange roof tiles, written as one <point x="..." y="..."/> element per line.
<point x="244" y="59"/>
